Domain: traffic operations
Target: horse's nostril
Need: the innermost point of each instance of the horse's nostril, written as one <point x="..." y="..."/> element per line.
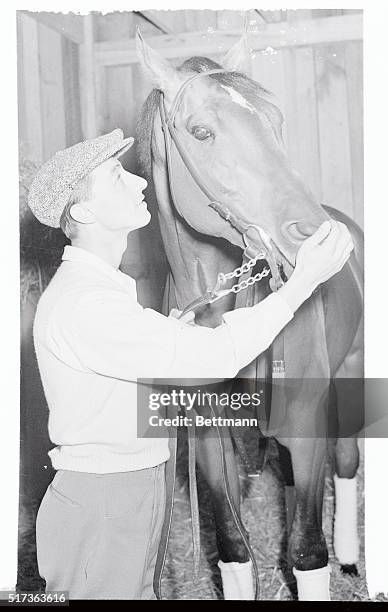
<point x="298" y="230"/>
<point x="306" y="228"/>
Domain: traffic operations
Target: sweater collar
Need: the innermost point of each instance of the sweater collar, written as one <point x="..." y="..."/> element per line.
<point x="78" y="255"/>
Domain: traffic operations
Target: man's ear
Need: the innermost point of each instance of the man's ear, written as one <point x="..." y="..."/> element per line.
<point x="81" y="214"/>
<point x="163" y="75"/>
<point x="238" y="58"/>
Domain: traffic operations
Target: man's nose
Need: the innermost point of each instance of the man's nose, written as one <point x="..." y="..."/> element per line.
<point x="138" y="180"/>
<point x="142" y="183"/>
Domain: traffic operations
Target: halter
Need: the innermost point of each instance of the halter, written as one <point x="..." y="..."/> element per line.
<point x="255" y="249"/>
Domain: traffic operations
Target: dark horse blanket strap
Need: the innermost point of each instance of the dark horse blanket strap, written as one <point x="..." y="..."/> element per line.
<point x="170" y="491"/>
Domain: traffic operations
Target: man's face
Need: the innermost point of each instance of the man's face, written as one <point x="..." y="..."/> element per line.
<point x="117" y="199"/>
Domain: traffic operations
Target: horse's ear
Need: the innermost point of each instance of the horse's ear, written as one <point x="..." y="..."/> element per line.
<point x="163" y="74"/>
<point x="238" y="58"/>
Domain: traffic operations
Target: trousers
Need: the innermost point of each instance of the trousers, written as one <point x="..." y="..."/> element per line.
<point x="97" y="535"/>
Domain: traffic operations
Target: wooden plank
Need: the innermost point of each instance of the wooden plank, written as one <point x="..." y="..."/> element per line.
<point x="354" y="81"/>
<point x="230" y="20"/>
<point x="206" y="21"/>
<point x="119" y="25"/>
<point x="268" y="70"/>
<point x="72" y="94"/>
<point x="301" y="123"/>
<point x="178" y="21"/>
<point x="331" y="88"/>
<point x="163" y="20"/>
<point x="275" y="35"/>
<point x="100" y="93"/>
<point x="52" y="92"/>
<point x="119" y="108"/>
<point x="146" y="28"/>
<point x="320" y="13"/>
<point x="274" y="15"/>
<point x="191" y="20"/>
<point x="257" y="18"/>
<point x="88" y="71"/>
<point x="142" y="86"/>
<point x="298" y="14"/>
<point x="31" y="101"/>
<point x="69" y="24"/>
<point x="22" y="131"/>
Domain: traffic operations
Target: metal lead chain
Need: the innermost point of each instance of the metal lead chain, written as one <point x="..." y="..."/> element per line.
<point x="223" y="277"/>
<point x="250" y="281"/>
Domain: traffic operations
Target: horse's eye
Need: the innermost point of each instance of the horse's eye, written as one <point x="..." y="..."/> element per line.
<point x="201" y="133"/>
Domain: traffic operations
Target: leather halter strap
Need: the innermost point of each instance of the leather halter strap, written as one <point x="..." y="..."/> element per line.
<point x="171" y="132"/>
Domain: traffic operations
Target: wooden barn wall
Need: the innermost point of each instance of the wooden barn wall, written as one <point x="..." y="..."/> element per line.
<point x="48" y="89"/>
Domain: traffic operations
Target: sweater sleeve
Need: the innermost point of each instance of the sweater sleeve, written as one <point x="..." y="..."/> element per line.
<point x="113" y="337"/>
<point x="253" y="329"/>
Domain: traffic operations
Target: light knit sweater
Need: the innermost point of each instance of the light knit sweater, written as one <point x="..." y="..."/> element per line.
<point x="93" y="341"/>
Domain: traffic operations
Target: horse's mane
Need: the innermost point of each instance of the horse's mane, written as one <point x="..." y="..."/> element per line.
<point x="249" y="89"/>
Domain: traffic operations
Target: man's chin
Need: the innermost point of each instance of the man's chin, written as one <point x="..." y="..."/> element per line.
<point x="142" y="219"/>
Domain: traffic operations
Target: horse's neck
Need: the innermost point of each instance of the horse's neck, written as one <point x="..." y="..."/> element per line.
<point x="195" y="260"/>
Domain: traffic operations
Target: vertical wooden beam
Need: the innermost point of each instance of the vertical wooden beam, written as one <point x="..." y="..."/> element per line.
<point x="190" y="20"/>
<point x="52" y="91"/>
<point x="72" y="94"/>
<point x="301" y="122"/>
<point x="336" y="170"/>
<point x="118" y="25"/>
<point x="31" y="116"/>
<point x="354" y="82"/>
<point x="87" y="80"/>
<point x="268" y="70"/>
<point x="20" y="79"/>
<point x="203" y="20"/>
<point x="230" y="20"/>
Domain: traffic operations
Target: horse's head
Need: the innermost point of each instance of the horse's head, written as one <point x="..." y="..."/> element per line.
<point x="232" y="133"/>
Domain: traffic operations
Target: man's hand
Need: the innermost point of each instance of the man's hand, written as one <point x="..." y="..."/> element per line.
<point x="324" y="253"/>
<point x="188" y="318"/>
<point x="320" y="257"/>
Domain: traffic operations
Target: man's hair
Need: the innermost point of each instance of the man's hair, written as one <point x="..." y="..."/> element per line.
<point x="81" y="192"/>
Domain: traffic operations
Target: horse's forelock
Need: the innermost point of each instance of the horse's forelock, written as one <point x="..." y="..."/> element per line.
<point x="249" y="89"/>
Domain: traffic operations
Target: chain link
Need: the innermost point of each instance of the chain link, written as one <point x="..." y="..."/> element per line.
<point x="245" y="267"/>
<point x="223" y="277"/>
<point x="250" y="281"/>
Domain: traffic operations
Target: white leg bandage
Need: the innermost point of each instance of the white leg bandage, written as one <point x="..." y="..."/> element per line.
<point x="345" y="540"/>
<point x="237" y="580"/>
<point x="313" y="585"/>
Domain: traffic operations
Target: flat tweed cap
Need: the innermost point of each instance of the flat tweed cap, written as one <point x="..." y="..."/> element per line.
<point x="56" y="179"/>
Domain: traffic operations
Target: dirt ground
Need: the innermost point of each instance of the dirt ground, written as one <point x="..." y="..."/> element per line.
<point x="263" y="514"/>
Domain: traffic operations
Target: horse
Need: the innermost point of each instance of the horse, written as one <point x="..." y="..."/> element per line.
<point x="210" y="144"/>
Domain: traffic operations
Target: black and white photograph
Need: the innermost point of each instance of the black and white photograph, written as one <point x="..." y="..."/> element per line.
<point x="198" y="420"/>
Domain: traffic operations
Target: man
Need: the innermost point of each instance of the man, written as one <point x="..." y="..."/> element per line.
<point x="99" y="523"/>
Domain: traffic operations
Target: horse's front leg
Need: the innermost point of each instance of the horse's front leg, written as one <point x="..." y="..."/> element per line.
<point x="232" y="539"/>
<point x="345" y="537"/>
<point x="307" y="550"/>
<point x="349" y="407"/>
